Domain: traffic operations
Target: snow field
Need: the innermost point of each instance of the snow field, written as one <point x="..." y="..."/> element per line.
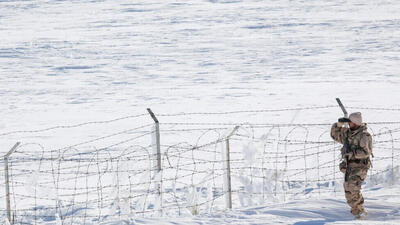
<point x="70" y="62"/>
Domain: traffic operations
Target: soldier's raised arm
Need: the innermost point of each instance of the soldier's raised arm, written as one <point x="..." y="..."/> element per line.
<point x="339" y="132"/>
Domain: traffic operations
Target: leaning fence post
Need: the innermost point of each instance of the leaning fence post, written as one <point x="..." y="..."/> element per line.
<point x="228" y="169"/>
<point x="7" y="181"/>
<point x="158" y="145"/>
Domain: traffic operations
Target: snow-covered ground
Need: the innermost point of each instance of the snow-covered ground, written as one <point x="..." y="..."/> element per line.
<point x="382" y="205"/>
<point x="71" y="62"/>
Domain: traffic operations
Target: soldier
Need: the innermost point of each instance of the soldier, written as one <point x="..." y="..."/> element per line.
<point x="359" y="143"/>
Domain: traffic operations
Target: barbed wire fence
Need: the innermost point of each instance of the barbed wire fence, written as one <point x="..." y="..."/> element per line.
<point x="177" y="168"/>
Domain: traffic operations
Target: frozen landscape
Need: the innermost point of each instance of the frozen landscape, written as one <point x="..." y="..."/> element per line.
<point x="76" y="78"/>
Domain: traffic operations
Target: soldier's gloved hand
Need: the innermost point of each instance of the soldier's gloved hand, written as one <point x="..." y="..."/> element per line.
<point x="343" y="120"/>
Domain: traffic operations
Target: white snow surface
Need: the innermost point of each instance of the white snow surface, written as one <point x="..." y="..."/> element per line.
<point x="70" y="62"/>
<point x="383" y="208"/>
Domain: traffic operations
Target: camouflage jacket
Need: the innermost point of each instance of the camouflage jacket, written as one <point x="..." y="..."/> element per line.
<point x="360" y="141"/>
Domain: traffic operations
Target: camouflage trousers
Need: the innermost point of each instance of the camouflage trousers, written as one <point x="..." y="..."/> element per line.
<point x="352" y="187"/>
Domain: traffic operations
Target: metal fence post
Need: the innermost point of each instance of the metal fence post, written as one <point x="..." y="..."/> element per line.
<point x="7" y="182"/>
<point x="157" y="126"/>
<point x="228" y="169"/>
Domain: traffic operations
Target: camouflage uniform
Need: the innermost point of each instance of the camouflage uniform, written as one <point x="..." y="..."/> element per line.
<point x="360" y="150"/>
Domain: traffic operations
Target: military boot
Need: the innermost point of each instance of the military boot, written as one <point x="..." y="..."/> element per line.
<point x="359" y="211"/>
<point x="354" y="211"/>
